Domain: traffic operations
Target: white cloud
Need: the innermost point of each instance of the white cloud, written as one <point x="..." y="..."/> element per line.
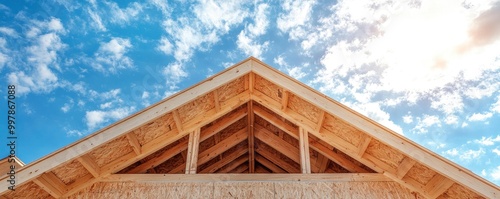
<point x="471" y="154"/>
<point x="496" y="106"/>
<point x="161" y="5"/>
<point x="123" y="16"/>
<point x="220" y="15"/>
<point x="259" y="27"/>
<point x="407" y="119"/>
<point x="247" y="39"/>
<point x="111" y="55"/>
<point x="42" y="58"/>
<point x="479" y="117"/>
<point x="97" y="118"/>
<point x="375" y="112"/>
<point x="496" y="151"/>
<point x="249" y="46"/>
<point x="451" y="119"/>
<point x="106" y="105"/>
<point x="451" y="152"/>
<point x="174" y="73"/>
<point x="295" y="16"/>
<point x="8" y="31"/>
<point x="66" y="107"/>
<point x="165" y="46"/>
<point x="98" y="23"/>
<point x="488" y="141"/>
<point x="426" y="122"/>
<point x="495" y="174"/>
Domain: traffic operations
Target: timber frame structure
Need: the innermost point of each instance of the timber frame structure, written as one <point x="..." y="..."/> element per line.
<point x="223" y="136"/>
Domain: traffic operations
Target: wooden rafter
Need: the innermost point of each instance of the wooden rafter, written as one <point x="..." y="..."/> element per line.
<point x="284" y="100"/>
<point x="268" y="164"/>
<point x="234" y="164"/>
<point x="277" y="143"/>
<point x="169" y="153"/>
<point x="240" y="169"/>
<point x="177" y="120"/>
<point x="226" y="160"/>
<point x="222" y="124"/>
<point x="321" y="118"/>
<point x="437" y="185"/>
<point x="322" y="163"/>
<point x="276" y="160"/>
<point x="404" y="167"/>
<point x="364" y="144"/>
<point x="305" y="162"/>
<point x="90" y="164"/>
<point x="192" y="154"/>
<point x="222" y="146"/>
<point x="290" y="130"/>
<point x="51" y="184"/>
<point x="216" y="100"/>
<point x="134" y="143"/>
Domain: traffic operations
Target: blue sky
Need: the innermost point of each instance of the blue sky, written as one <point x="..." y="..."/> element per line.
<point x="427" y="69"/>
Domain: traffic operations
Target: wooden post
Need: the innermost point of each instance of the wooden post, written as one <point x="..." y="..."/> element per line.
<point x="305" y="162"/>
<point x="192" y="156"/>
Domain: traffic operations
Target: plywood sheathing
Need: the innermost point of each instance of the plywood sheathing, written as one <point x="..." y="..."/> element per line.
<point x="420" y="174"/>
<point x="154" y="129"/>
<point x="111" y="151"/>
<point x="274" y="189"/>
<point x="384" y="153"/>
<point x="268" y="88"/>
<point x="343" y="130"/>
<point x="70" y="172"/>
<point x="306" y="109"/>
<point x="458" y="191"/>
<point x="196" y="107"/>
<point x="231" y="89"/>
<point x="28" y="190"/>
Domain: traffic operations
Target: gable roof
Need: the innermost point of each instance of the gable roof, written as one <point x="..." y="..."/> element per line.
<point x="253" y="109"/>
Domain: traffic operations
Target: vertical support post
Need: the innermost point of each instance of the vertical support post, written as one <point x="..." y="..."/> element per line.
<point x="192" y="154"/>
<point x="251" y="148"/>
<point x="305" y="162"/>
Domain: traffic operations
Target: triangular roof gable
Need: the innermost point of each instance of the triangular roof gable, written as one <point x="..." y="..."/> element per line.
<point x="413" y="154"/>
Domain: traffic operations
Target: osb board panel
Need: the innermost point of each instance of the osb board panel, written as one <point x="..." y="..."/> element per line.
<point x="420" y="173"/>
<point x="170" y="164"/>
<point x="458" y="191"/>
<point x="231" y="189"/>
<point x="244" y="190"/>
<point x="154" y="129"/>
<point x="28" y="190"/>
<point x="371" y="190"/>
<point x="199" y="106"/>
<point x="126" y="190"/>
<point x="304" y="108"/>
<point x="276" y="116"/>
<point x="268" y="88"/>
<point x="111" y="150"/>
<point x="384" y="153"/>
<point x="342" y="129"/>
<point x="231" y="89"/>
<point x="71" y="171"/>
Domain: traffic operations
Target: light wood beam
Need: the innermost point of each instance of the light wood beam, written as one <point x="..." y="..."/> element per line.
<point x="233" y="177"/>
<point x="305" y="162"/>
<point x="192" y="154"/>
<point x="284" y="100"/>
<point x="364" y="144"/>
<point x="132" y="140"/>
<point x="223" y="162"/>
<point x="276" y="160"/>
<point x="222" y="124"/>
<point x="89" y="164"/>
<point x="239" y="169"/>
<point x="233" y="165"/>
<point x="404" y="167"/>
<point x="321" y="118"/>
<point x="177" y="120"/>
<point x="50" y="183"/>
<point x="268" y="164"/>
<point x="277" y="143"/>
<point x="216" y="100"/>
<point x="251" y="152"/>
<point x="337" y="158"/>
<point x="169" y="153"/>
<point x="290" y="130"/>
<point x="222" y="146"/>
<point x="437" y="185"/>
<point x="251" y="82"/>
<point x="322" y="162"/>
